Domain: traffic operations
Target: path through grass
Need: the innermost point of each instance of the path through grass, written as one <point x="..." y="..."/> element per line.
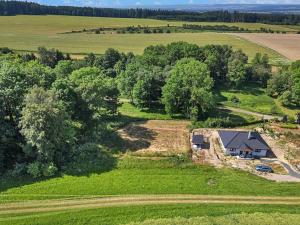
<point x="130" y="214"/>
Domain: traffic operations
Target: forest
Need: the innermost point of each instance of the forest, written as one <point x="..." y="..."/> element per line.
<point x="11" y="8"/>
<point x="55" y="112"/>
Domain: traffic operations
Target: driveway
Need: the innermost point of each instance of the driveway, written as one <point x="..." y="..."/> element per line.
<point x="291" y="171"/>
<point x="260" y="115"/>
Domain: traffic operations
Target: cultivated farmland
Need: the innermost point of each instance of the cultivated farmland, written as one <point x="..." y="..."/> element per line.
<point x="27" y="33"/>
<point x="286" y="44"/>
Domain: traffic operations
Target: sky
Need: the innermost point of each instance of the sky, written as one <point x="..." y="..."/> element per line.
<point x="124" y="3"/>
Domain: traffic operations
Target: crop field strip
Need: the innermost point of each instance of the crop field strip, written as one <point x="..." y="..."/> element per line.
<point x="62" y="205"/>
<point x="288" y="44"/>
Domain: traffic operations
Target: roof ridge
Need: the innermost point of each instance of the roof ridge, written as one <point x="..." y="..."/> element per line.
<point x="232" y="138"/>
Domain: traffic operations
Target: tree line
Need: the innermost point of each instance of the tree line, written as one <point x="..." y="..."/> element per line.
<point x="10" y="8"/>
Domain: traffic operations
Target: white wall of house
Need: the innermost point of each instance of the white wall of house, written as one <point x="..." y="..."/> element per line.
<point x="232" y="151"/>
<point x="258" y="152"/>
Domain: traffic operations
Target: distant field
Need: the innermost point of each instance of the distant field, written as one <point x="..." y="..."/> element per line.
<point x="27" y="33"/>
<point x="58" y="24"/>
<point x="286" y="44"/>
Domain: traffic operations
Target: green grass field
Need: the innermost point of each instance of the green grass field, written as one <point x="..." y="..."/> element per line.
<point x="244" y="218"/>
<point x="127" y="109"/>
<point x="251" y="98"/>
<point x="146" y="176"/>
<point x="27" y="33"/>
<point x="208" y="214"/>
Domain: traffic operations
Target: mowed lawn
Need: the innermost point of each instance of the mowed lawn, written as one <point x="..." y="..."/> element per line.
<point x="27" y="33"/>
<point x="166" y="175"/>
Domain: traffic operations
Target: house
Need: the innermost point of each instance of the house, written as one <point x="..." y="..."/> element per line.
<point x="243" y="143"/>
<point x="197" y="141"/>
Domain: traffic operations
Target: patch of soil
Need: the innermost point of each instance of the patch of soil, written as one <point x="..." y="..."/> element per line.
<point x="157" y="136"/>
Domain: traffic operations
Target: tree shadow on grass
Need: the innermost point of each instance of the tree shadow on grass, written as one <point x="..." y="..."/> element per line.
<point x="134" y="137"/>
<point x="130" y="137"/>
<point x="247" y="89"/>
<point x="86" y="168"/>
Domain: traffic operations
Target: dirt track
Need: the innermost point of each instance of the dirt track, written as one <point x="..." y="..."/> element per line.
<point x="92" y="203"/>
<point x="287" y="45"/>
<point x="259" y="115"/>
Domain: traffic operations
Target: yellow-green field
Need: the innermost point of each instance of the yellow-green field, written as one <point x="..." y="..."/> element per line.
<point x="58" y="24"/>
<point x="27" y="33"/>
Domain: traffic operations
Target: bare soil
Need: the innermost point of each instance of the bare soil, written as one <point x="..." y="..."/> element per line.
<point x="157" y="136"/>
<point x="287" y="45"/>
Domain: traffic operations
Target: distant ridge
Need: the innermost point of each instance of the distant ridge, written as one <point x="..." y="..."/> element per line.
<point x="11" y="8"/>
<point x="250" y="8"/>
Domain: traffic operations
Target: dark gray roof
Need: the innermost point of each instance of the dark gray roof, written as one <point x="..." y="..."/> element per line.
<point x="242" y="139"/>
<point x="197" y="139"/>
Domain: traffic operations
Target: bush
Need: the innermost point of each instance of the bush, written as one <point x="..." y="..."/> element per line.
<point x="90" y="157"/>
<point x="49" y="170"/>
<point x="235" y="99"/>
<point x="18" y="170"/>
<point x="34" y="169"/>
<point x="286" y="98"/>
<point x="289" y="126"/>
<point x="214" y="123"/>
<point x="5" y="50"/>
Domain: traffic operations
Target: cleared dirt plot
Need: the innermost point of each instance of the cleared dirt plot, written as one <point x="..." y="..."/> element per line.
<point x="286" y="44"/>
<point x="156" y="136"/>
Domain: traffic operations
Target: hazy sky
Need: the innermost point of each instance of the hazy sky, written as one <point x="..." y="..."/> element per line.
<point x="116" y="3"/>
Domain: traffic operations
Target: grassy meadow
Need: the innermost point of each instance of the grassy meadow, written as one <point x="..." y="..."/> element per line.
<point x="131" y="176"/>
<point x="27" y="33"/>
<point x="251" y="98"/>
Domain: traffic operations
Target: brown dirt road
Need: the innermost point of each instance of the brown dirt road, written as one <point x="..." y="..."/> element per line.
<point x="287" y="45"/>
<point x="102" y="202"/>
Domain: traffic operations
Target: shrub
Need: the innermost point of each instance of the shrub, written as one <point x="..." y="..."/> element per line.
<point x="234" y="99"/>
<point x="90" y="157"/>
<point x="289" y="126"/>
<point x="34" y="169"/>
<point x="49" y="170"/>
<point x="286" y="98"/>
<point x="18" y="170"/>
<point x="214" y="123"/>
<point x="5" y="50"/>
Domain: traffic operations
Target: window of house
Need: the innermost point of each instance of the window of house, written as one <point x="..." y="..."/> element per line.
<point x="232" y="149"/>
<point x="257" y="150"/>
